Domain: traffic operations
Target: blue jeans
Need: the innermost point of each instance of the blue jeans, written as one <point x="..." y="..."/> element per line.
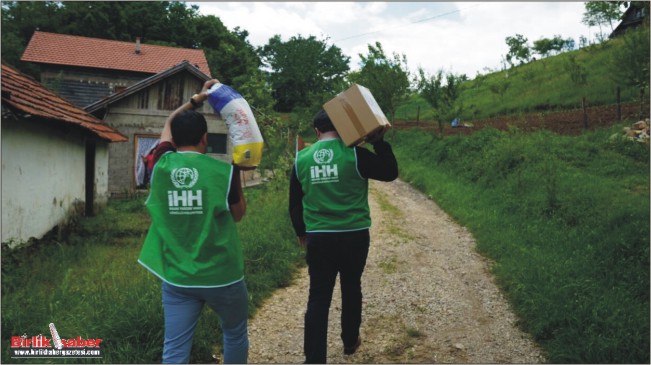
<point x="329" y="254"/>
<point x="182" y="307"/>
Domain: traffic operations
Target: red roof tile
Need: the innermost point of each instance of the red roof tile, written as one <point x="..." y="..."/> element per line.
<point x="27" y="95"/>
<point x="62" y="49"/>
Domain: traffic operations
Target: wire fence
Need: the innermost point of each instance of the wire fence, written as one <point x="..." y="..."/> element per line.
<point x="571" y="122"/>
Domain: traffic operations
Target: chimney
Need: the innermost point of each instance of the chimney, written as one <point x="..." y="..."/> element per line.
<point x="137" y="45"/>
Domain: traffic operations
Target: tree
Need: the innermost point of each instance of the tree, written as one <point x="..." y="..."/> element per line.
<point x="229" y="54"/>
<point x="255" y="89"/>
<point x="557" y="44"/>
<point x="569" y="44"/>
<point x="500" y="86"/>
<point x="303" y="71"/>
<point x="543" y="47"/>
<point x="442" y="97"/>
<point x="630" y="64"/>
<point x="19" y="21"/>
<point x="146" y="19"/>
<point x="578" y="73"/>
<point x="166" y="23"/>
<point x="23" y="17"/>
<point x="181" y="24"/>
<point x="518" y="49"/>
<point x="598" y="13"/>
<point x="386" y="78"/>
<point x="583" y="41"/>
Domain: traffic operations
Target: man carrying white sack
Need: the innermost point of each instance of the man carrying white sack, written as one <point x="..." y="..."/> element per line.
<point x="193" y="245"/>
<point x="328" y="206"/>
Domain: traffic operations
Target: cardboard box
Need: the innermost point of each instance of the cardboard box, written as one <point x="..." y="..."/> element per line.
<point x="355" y="114"/>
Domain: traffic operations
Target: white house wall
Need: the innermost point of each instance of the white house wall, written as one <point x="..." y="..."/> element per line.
<point x="43" y="178"/>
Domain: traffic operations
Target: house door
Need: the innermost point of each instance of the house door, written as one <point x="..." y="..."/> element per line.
<point x="145" y="145"/>
<point x="90" y="178"/>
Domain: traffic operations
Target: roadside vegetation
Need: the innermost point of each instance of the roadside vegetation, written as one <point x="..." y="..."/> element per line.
<point x="91" y="285"/>
<point x="566" y="222"/>
<point x="548" y="84"/>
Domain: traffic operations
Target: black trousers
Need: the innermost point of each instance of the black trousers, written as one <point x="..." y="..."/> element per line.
<point x="329" y="254"/>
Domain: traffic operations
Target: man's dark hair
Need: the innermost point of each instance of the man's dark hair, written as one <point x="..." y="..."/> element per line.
<point x="322" y="122"/>
<point x="188" y="127"/>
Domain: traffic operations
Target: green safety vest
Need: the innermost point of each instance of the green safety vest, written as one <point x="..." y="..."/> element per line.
<point x="192" y="241"/>
<point x="335" y="195"/>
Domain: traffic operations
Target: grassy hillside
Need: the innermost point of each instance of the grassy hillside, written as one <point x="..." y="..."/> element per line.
<point x="566" y="222"/>
<point x="553" y="83"/>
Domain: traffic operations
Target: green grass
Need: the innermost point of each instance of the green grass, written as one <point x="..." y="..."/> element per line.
<point x="389" y="266"/>
<point x="91" y="285"/>
<point x="566" y="221"/>
<point x="538" y="86"/>
<point x="392" y="224"/>
<point x="386" y="206"/>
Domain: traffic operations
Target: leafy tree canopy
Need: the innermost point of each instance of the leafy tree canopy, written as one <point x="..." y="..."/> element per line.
<point x="442" y="92"/>
<point x="631" y="64"/>
<point x="303" y="71"/>
<point x="172" y="23"/>
<point x="518" y="49"/>
<point x="386" y="77"/>
<point x="598" y="13"/>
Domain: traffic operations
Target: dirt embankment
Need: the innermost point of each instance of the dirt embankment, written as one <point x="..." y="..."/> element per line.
<point x="569" y="122"/>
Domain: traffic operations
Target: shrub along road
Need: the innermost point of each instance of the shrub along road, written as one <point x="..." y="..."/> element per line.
<point x="428" y="296"/>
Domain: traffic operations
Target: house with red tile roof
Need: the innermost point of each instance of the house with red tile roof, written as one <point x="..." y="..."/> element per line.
<point x="140" y="111"/>
<point x="84" y="70"/>
<point x="55" y="159"/>
<point x="131" y="86"/>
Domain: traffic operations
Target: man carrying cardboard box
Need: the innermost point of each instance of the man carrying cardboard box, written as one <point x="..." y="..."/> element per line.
<point x="328" y="206"/>
<point x="355" y="114"/>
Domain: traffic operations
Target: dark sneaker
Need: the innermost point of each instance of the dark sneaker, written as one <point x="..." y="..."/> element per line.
<point x="351" y="350"/>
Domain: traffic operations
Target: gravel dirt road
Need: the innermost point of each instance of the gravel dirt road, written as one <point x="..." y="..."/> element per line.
<point x="428" y="296"/>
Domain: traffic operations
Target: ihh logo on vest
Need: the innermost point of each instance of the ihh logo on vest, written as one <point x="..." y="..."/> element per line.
<point x="184" y="178"/>
<point x="325" y="173"/>
<point x="184" y="201"/>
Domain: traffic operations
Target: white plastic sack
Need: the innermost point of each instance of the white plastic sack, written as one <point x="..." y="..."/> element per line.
<point x="242" y="127"/>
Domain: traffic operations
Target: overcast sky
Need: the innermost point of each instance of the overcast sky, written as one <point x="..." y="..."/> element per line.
<point x="459" y="37"/>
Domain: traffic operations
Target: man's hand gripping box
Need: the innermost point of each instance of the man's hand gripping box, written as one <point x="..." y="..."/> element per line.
<point x="355" y="114"/>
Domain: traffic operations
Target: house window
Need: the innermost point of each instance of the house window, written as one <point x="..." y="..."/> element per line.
<point x="144" y="146"/>
<point x="142" y="100"/>
<point x="217" y="143"/>
<point x="170" y="94"/>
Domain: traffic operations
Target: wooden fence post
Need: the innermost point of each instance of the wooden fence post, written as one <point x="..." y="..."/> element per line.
<point x="585" y="113"/>
<point x="619" y="104"/>
<point x="641" y="103"/>
<point x="393" y="122"/>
